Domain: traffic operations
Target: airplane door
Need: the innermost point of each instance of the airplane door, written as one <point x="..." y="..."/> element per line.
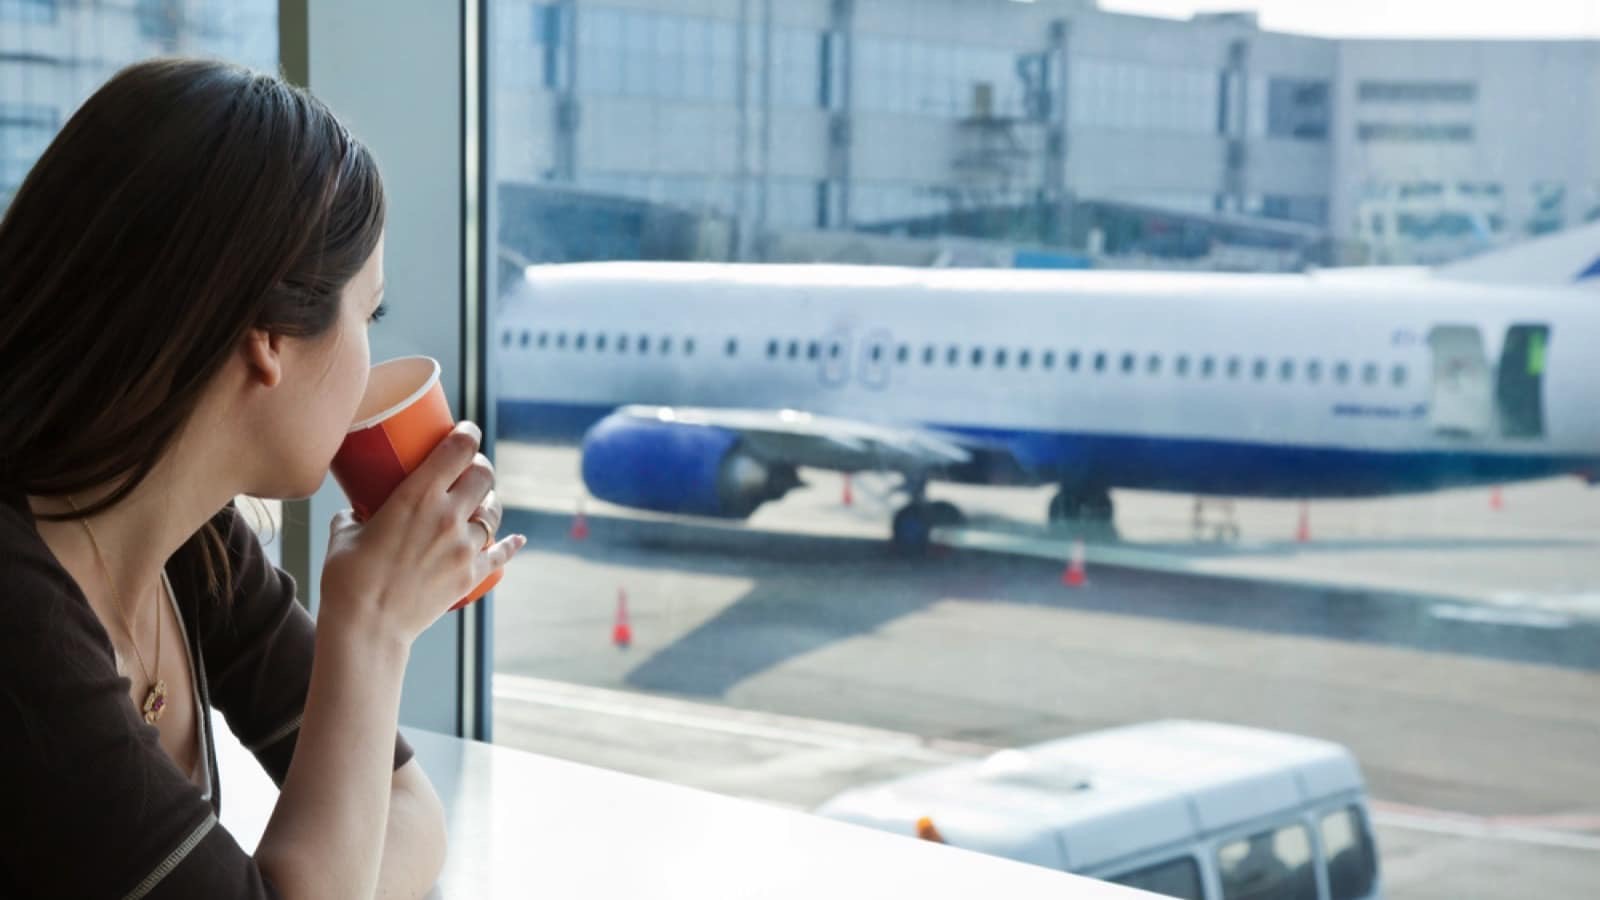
<point x="1519" y="385"/>
<point x="836" y="358"/>
<point x="1463" y="401"/>
<point x="875" y="360"/>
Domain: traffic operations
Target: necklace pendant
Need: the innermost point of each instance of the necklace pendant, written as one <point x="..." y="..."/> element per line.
<point x="155" y="702"/>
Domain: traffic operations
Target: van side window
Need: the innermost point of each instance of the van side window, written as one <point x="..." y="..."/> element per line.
<point x="1174" y="878"/>
<point x="1274" y="864"/>
<point x="1351" y="862"/>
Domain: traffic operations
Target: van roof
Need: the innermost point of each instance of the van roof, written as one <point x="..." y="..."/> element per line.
<point x="1080" y="802"/>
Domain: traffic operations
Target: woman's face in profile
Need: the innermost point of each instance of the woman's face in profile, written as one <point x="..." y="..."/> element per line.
<point x="332" y="378"/>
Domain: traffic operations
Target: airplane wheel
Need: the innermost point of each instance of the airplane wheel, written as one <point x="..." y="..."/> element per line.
<point x="913" y="529"/>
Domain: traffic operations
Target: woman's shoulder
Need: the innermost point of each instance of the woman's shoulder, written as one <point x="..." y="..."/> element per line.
<point x="42" y="610"/>
<point x="26" y="564"/>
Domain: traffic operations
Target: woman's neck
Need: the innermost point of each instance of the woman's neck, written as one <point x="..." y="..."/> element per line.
<point x="138" y="535"/>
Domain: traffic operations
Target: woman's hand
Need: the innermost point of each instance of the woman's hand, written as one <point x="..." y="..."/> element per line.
<point x="418" y="554"/>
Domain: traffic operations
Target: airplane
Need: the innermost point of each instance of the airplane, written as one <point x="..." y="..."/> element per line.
<point x="702" y="388"/>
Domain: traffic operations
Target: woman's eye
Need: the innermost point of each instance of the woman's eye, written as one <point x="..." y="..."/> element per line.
<point x="378" y="313"/>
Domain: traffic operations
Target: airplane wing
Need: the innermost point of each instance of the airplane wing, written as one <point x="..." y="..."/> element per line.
<point x="824" y="442"/>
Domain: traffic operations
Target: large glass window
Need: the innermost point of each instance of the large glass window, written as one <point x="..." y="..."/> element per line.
<point x="756" y="564"/>
<point x="50" y="62"/>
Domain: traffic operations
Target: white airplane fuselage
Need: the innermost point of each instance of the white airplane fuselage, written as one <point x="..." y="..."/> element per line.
<point x="1258" y="385"/>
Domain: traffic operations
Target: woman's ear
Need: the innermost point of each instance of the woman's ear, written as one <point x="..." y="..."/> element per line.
<point x="263" y="357"/>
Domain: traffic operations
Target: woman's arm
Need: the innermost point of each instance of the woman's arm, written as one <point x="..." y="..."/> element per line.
<point x="321" y="840"/>
<point x="414" y="845"/>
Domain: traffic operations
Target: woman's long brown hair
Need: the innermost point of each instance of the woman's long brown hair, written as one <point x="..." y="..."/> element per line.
<point x="186" y="202"/>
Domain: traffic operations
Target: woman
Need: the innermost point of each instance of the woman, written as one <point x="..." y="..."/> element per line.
<point x="186" y="279"/>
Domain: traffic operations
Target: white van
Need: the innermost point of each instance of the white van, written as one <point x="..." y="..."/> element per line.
<point x="1187" y="809"/>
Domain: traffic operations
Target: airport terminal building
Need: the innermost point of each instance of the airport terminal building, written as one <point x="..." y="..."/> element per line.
<point x="890" y="115"/>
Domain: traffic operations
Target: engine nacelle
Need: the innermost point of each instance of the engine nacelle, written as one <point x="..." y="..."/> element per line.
<point x="675" y="467"/>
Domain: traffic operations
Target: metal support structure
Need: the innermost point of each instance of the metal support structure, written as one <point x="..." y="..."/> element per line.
<point x="1055" y="161"/>
<point x="567" y="111"/>
<point x="840" y="63"/>
<point x="764" y="186"/>
<point x="1237" y="158"/>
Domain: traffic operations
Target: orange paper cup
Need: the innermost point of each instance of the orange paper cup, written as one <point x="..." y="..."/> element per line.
<point x="402" y="417"/>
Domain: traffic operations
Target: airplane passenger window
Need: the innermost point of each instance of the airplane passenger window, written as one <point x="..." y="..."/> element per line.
<point x="688" y="346"/>
<point x="1286" y="370"/>
<point x="580" y="341"/>
<point x="1153" y="365"/>
<point x="1208" y="365"/>
<point x="1127" y="363"/>
<point x="732" y="348"/>
<point x="1024" y="358"/>
<point x="1181" y="366"/>
<point x="772" y="349"/>
<point x="1235" y="365"/>
<point x="977" y="356"/>
<point x="794" y="350"/>
<point x="928" y="353"/>
<point x="1258" y="369"/>
<point x="600" y="343"/>
<point x="1073" y="359"/>
<point x="1369" y="373"/>
<point x="1313" y="371"/>
<point x="1397" y="375"/>
<point x="877" y="352"/>
<point x="1099" y="362"/>
<point x="833" y="350"/>
<point x="524" y="338"/>
<point x="561" y="340"/>
<point x="1048" y="360"/>
<point x="622" y="343"/>
<point x="1000" y="358"/>
<point x="505" y="339"/>
<point x="952" y="356"/>
<point x="666" y="345"/>
<point x="544" y="339"/>
<point x="1341" y="372"/>
<point x="813" y="350"/>
<point x="903" y="354"/>
<point x="644" y="343"/>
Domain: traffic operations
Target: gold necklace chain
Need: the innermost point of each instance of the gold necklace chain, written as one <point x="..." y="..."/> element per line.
<point x="155" y="701"/>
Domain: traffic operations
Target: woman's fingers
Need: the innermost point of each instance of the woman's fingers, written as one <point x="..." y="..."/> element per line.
<point x="501" y="553"/>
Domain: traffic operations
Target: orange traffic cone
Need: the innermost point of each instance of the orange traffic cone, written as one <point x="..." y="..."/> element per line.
<point x="1303" y="533"/>
<point x="849" y="498"/>
<point x="622" y="632"/>
<point x="580" y="525"/>
<point x="1075" y="575"/>
<point x="927" y="832"/>
<point x="1497" y="502"/>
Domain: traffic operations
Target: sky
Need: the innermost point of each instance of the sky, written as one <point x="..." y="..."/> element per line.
<point x="1397" y="18"/>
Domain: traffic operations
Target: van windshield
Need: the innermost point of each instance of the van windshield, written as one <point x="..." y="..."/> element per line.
<point x="1352" y="866"/>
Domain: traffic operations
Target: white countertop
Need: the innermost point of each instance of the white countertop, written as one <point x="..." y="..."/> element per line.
<point x="523" y="825"/>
